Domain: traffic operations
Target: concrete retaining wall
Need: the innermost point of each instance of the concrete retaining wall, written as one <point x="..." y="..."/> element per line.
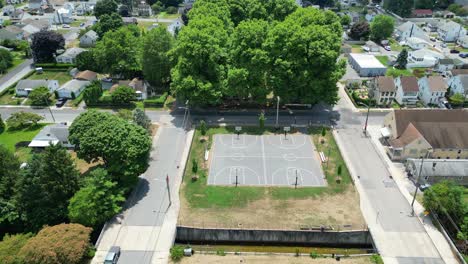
<point x="283" y="237"/>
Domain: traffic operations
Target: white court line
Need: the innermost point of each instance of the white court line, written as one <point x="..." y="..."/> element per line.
<point x="237" y="141"/>
<point x="289" y="138"/>
<point x="299" y="176"/>
<point x="280" y="146"/>
<point x="264" y="160"/>
<point x="259" y="156"/>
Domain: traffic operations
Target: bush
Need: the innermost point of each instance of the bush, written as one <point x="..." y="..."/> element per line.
<point x="39" y="96"/>
<point x="203" y="127"/>
<point x="2" y="125"/>
<point x="194" y="166"/>
<point x="314" y="255"/>
<point x="220" y="252"/>
<point x="171" y="10"/>
<point x="157" y="102"/>
<point x="177" y="252"/>
<point x="123" y="95"/>
<point x="61" y="66"/>
<point x="11" y="245"/>
<point x="376" y="259"/>
<point x="23" y="119"/>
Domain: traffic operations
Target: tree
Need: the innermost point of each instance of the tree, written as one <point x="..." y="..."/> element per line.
<point x="261" y="120"/>
<point x="203" y="127"/>
<point x="324" y="132"/>
<point x="194" y="166"/>
<point x="123" y="95"/>
<point x="124" y="11"/>
<point x="382" y="27"/>
<point x="92" y="93"/>
<point x="402" y="59"/>
<point x="46" y="184"/>
<point x="45" y="44"/>
<point x="86" y="61"/>
<point x="64" y="243"/>
<point x="308" y="74"/>
<point x="141" y="119"/>
<point x="445" y="197"/>
<point x="9" y="173"/>
<point x="108" y="22"/>
<point x="457" y="99"/>
<point x="23" y="119"/>
<point x="39" y="96"/>
<point x="323" y="3"/>
<point x="97" y="201"/>
<point x="360" y="30"/>
<point x="122" y="147"/>
<point x="249" y="62"/>
<point x="10" y="247"/>
<point x="2" y="125"/>
<point x="6" y="60"/>
<point x="105" y="7"/>
<point x="242" y="10"/>
<point x="345" y="20"/>
<point x="156" y="63"/>
<point x="279" y="9"/>
<point x="400" y="7"/>
<point x="118" y="52"/>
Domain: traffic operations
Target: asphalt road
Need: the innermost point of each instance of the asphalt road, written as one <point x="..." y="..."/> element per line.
<point x="16" y="74"/>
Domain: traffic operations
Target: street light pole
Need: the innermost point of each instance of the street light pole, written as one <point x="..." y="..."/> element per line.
<point x="367" y="118"/>
<point x="277" y="110"/>
<point x="417" y="182"/>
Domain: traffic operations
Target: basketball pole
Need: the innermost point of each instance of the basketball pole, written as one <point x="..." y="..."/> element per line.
<point x="236" y="178"/>
<point x="295" y="185"/>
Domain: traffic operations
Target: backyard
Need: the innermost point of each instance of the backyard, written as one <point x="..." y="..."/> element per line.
<point x="335" y="205"/>
<point x="61" y="76"/>
<point x="10" y="138"/>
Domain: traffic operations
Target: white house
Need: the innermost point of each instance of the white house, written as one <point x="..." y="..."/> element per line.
<point x="463" y="41"/>
<point x="175" y="26"/>
<point x="51" y="135"/>
<point x="458" y="84"/>
<point x="432" y="89"/>
<point x="83" y="8"/>
<point x="89" y="39"/>
<point x="407" y="90"/>
<point x="445" y="65"/>
<point x="408" y="30"/>
<point x="24" y="87"/>
<point x="450" y="31"/>
<point x="72" y="89"/>
<point x="63" y="16"/>
<point x="417" y="43"/>
<point x="425" y="58"/>
<point x="69" y="55"/>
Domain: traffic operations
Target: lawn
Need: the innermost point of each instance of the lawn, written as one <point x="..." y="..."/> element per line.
<point x="7" y="98"/>
<point x="395" y="46"/>
<point x="355" y="48"/>
<point x="61" y="76"/>
<point x="208" y="205"/>
<point x="18" y="58"/>
<point x="168" y="16"/>
<point x="77" y="22"/>
<point x="11" y="138"/>
<point x="383" y="60"/>
<point x="391" y="71"/>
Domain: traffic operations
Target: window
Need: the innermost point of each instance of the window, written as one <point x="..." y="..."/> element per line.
<point x="381" y="100"/>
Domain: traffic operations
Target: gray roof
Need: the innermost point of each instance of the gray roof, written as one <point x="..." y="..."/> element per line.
<point x="5" y="34"/>
<point x="74" y="85"/>
<point x="464" y="80"/>
<point x="50" y="134"/>
<point x="449" y="25"/>
<point x="446" y="61"/>
<point x="90" y="34"/>
<point x="440" y="167"/>
<point x="23" y="84"/>
<point x="72" y="52"/>
<point x="406" y="26"/>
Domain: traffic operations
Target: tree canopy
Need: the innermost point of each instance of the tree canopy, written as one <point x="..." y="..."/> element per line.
<point x="23" y="119"/>
<point x="9" y="173"/>
<point x="402" y="59"/>
<point x="10" y="247"/>
<point x="105" y="7"/>
<point x="6" y="60"/>
<point x="156" y="62"/>
<point x="40" y="96"/>
<point x="108" y="22"/>
<point x="360" y="30"/>
<point x="45" y="44"/>
<point x="92" y="93"/>
<point x="400" y="7"/>
<point x="382" y="27"/>
<point x="123" y="95"/>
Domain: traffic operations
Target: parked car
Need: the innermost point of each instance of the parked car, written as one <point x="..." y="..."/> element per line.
<point x="113" y="255"/>
<point x="443" y="45"/>
<point x="82" y="25"/>
<point x="463" y="55"/>
<point x="387" y="48"/>
<point x="454" y="51"/>
<point x="432" y="39"/>
<point x="65" y="26"/>
<point x="424" y="187"/>
<point x="60" y="102"/>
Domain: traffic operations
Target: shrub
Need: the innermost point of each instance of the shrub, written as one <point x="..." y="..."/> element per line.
<point x="177" y="252"/>
<point x="261" y="120"/>
<point x="61" y="66"/>
<point x="2" y="125"/>
<point x="39" y="96"/>
<point x="203" y="127"/>
<point x="155" y="102"/>
<point x="376" y="259"/>
<point x="220" y="252"/>
<point x="314" y="255"/>
<point x="11" y="245"/>
<point x="194" y="166"/>
<point x="123" y="95"/>
<point x="23" y="119"/>
<point x="171" y="10"/>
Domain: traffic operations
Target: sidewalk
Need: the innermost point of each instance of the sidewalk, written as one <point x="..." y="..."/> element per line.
<point x="407" y="189"/>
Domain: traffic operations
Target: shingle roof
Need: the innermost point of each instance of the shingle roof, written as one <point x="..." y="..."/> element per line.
<point x="50" y="134"/>
<point x="464" y="80"/>
<point x="406" y="26"/>
<point x="23" y="84"/>
<point x="437" y="84"/>
<point x="446" y="61"/>
<point x="91" y="34"/>
<point x="385" y="84"/>
<point x="456" y="72"/>
<point x="72" y="52"/>
<point x="409" y="135"/>
<point x="409" y="84"/>
<point x="86" y="75"/>
<point x="74" y="85"/>
<point x="449" y="25"/>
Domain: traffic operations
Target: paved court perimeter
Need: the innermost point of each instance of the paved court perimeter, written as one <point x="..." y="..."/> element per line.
<point x="265" y="160"/>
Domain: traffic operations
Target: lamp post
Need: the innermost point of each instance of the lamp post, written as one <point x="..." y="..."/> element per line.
<point x="277" y="110"/>
<point x="417" y="181"/>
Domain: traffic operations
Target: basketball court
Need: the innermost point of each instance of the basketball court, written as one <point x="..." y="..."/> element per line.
<point x="269" y="160"/>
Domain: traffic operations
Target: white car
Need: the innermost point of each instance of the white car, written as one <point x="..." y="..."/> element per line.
<point x="65" y="26"/>
<point x="387" y="48"/>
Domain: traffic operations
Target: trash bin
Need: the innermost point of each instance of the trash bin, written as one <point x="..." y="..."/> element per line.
<point x="188" y="252"/>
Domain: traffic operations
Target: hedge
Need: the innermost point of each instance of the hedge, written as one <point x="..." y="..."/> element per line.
<point x="155" y="102"/>
<point x="55" y="65"/>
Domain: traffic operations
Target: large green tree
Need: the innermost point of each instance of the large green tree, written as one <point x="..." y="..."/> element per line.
<point x="86" y="61"/>
<point x="6" y="60"/>
<point x="382" y="27"/>
<point x="122" y="147"/>
<point x="360" y="30"/>
<point x="241" y="10"/>
<point x="105" y="7"/>
<point x="64" y="243"/>
<point x="304" y="50"/>
<point x="40" y="96"/>
<point x="279" y="9"/>
<point x="249" y="64"/>
<point x="141" y="119"/>
<point x="97" y="201"/>
<point x="123" y="95"/>
<point x="156" y="63"/>
<point x="211" y="8"/>
<point x="446" y="197"/>
<point x="23" y="119"/>
<point x="44" y="45"/>
<point x="9" y="173"/>
<point x="108" y="22"/>
<point x="400" y="7"/>
<point x="45" y="186"/>
<point x="402" y="59"/>
<point x="92" y="93"/>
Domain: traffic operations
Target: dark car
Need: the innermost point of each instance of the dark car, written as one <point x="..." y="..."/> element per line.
<point x="463" y="55"/>
<point x="60" y="102"/>
<point x="113" y="255"/>
<point x="454" y="51"/>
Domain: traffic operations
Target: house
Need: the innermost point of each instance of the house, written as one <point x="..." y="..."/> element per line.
<point x="409" y="29"/>
<point x="89" y="39"/>
<point x="63" y="16"/>
<point x="72" y="89"/>
<point x="463" y="41"/>
<point x="422" y="13"/>
<point x="5" y="34"/>
<point x="35" y="4"/>
<point x="432" y="26"/>
<point x="432" y="89"/>
<point x="447" y="14"/>
<point x="383" y="90"/>
<point x="51" y="135"/>
<point x="83" y="8"/>
<point x="366" y="65"/>
<point x="8" y="9"/>
<point x="19" y="33"/>
<point x="33" y="26"/>
<point x="436" y="170"/>
<point x="444" y="65"/>
<point x="370" y="46"/>
<point x="138" y="85"/>
<point x="407" y="90"/>
<point x="86" y="76"/>
<point x="458" y="84"/>
<point x="175" y="26"/>
<point x="16" y="16"/>
<point x="143" y="9"/>
<point x="432" y="133"/>
<point x="451" y="31"/>
<point x="69" y="55"/>
<point x="425" y="58"/>
<point x="24" y="87"/>
<point x="417" y="43"/>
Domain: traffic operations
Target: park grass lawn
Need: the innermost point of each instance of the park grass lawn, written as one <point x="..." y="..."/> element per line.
<point x="250" y="206"/>
<point x="391" y="71"/>
<point x="383" y="59"/>
<point x="10" y="138"/>
<point x="61" y="76"/>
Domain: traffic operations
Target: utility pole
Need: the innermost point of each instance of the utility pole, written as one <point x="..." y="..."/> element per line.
<point x="367" y="118"/>
<point x="277" y="111"/>
<point x="168" y="189"/>
<point x="48" y="106"/>
<point x="295" y="185"/>
<point x="417" y="182"/>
